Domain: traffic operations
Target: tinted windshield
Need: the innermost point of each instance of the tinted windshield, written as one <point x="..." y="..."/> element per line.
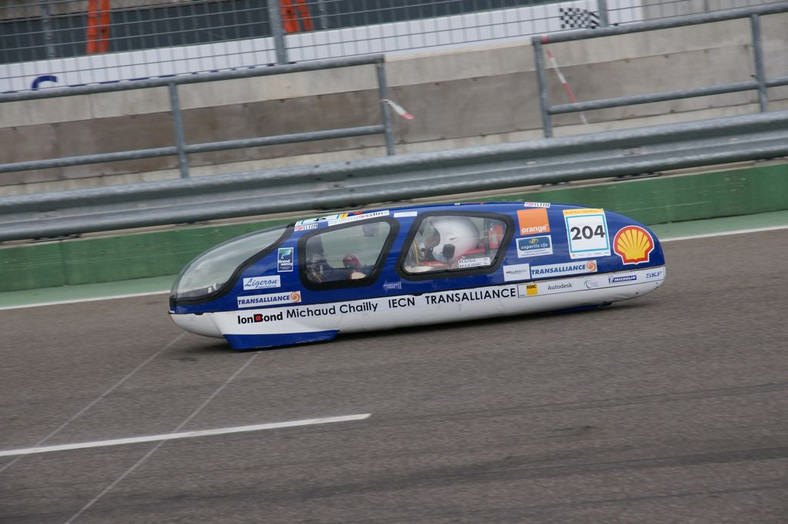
<point x="210" y="271"/>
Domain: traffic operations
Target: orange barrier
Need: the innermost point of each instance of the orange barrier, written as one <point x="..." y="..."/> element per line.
<point x="98" y="26"/>
<point x="293" y="12"/>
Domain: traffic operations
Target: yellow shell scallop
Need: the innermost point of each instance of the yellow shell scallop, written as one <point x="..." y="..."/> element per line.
<point x="633" y="244"/>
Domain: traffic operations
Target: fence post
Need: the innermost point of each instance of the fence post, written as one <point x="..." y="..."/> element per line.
<point x="383" y="94"/>
<point x="275" y="16"/>
<point x="46" y="25"/>
<point x="604" y="20"/>
<point x="322" y="14"/>
<point x="757" y="51"/>
<point x="544" y="102"/>
<point x="177" y="124"/>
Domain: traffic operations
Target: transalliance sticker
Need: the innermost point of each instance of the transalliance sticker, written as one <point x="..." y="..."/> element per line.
<point x="567" y="268"/>
<point x="273" y="299"/>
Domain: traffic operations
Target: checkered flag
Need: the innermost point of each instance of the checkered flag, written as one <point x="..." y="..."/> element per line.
<point x="576" y="18"/>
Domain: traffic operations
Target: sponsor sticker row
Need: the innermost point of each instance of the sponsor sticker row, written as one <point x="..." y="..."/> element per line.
<point x="340" y="218"/>
<point x="587" y="235"/>
<point x="371" y="305"/>
<point x="493" y="293"/>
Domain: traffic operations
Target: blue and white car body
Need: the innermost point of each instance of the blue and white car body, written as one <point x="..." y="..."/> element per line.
<point x="372" y="270"/>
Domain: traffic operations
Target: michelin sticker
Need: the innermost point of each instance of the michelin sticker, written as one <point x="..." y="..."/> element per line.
<point x="619" y="279"/>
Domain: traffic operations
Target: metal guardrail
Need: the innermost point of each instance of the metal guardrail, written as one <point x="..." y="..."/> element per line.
<point x="626" y="152"/>
<point x="361" y="182"/>
<point x="761" y="83"/>
<point x="181" y="149"/>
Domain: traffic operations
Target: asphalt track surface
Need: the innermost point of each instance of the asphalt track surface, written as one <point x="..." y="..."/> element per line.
<point x="669" y="408"/>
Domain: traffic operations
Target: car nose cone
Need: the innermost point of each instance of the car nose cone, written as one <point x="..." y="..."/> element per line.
<point x="198" y="324"/>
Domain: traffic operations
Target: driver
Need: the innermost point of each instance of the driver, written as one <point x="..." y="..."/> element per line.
<point x="456" y="236"/>
<point x="317" y="268"/>
<point x="452" y="237"/>
<point x="354" y="264"/>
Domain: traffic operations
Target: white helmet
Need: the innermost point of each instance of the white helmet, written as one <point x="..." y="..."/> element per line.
<point x="458" y="235"/>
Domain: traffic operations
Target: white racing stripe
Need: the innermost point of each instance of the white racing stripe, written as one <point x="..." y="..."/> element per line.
<point x="182" y="435"/>
<point x="724" y="233"/>
<point x="89" y="299"/>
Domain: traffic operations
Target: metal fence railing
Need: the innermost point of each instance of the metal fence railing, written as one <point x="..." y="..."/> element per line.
<point x="367" y="181"/>
<point x="47" y="43"/>
<point x="759" y="82"/>
<point x="181" y="149"/>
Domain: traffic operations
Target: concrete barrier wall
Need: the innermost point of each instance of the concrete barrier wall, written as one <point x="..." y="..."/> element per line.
<point x="658" y="200"/>
<point x="469" y="96"/>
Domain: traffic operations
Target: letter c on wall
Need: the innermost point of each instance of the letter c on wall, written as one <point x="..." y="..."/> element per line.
<point x="41" y="79"/>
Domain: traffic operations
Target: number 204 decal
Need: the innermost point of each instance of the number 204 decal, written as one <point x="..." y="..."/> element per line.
<point x="587" y="233"/>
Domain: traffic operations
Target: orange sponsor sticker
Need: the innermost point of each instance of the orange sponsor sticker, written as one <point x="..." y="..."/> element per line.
<point x="533" y="221"/>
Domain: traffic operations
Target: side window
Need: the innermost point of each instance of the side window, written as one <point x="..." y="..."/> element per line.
<point x="454" y="242"/>
<point x="344" y="254"/>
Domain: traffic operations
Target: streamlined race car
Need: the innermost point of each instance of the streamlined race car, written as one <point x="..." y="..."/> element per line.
<point x="372" y="270"/>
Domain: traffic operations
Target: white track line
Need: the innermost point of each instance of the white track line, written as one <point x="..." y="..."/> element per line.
<point x="161" y="442"/>
<point x="725" y="233"/>
<point x="95" y="401"/>
<point x="90" y="299"/>
<point x="183" y="434"/>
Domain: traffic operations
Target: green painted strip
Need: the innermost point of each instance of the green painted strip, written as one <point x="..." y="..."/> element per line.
<point x="31" y="266"/>
<point x="682" y="197"/>
<point x="110" y="259"/>
<point x="651" y="201"/>
<point x="65" y="294"/>
<point x="160" y="285"/>
<point x="713" y="226"/>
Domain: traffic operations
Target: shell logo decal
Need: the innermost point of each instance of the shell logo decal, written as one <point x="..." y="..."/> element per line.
<point x="633" y="244"/>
